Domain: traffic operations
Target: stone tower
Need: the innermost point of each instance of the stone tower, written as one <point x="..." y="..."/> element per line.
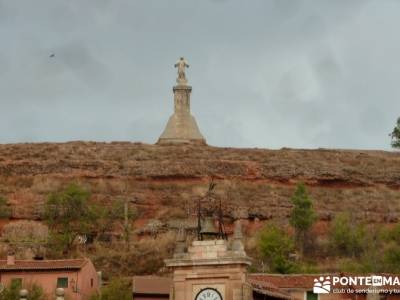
<point x="181" y="126"/>
<point x="210" y="269"/>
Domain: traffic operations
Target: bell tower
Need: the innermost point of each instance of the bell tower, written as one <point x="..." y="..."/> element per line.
<point x="181" y="126"/>
<point x="211" y="268"/>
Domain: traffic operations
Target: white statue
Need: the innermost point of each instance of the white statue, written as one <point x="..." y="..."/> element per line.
<point x="181" y="64"/>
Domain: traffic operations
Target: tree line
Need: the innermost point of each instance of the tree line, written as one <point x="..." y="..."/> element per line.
<point x="353" y="246"/>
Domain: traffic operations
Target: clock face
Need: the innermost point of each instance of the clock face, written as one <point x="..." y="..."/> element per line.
<point x="208" y="294"/>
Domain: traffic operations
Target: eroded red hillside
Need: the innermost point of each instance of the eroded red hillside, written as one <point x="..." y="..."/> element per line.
<point x="162" y="181"/>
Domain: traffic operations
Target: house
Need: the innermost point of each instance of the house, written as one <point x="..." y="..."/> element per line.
<point x="151" y="287"/>
<point x="78" y="277"/>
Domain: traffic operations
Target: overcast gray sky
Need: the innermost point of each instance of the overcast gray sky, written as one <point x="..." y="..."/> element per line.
<point x="267" y="73"/>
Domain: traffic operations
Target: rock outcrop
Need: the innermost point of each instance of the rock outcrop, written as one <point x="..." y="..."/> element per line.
<point x="164" y="180"/>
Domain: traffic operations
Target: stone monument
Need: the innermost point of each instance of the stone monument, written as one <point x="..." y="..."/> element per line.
<point x="181" y="126"/>
<point x="210" y="270"/>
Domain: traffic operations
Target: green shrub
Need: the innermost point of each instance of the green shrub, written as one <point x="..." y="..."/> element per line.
<point x="372" y="245"/>
<point x="11" y="292"/>
<point x="120" y="213"/>
<point x="346" y="237"/>
<point x="5" y="210"/>
<point x="275" y="246"/>
<point x="307" y="268"/>
<point x="117" y="289"/>
<point x="391" y="258"/>
<point x="35" y="292"/>
<point x="393" y="234"/>
<point x="368" y="249"/>
<point x="350" y="265"/>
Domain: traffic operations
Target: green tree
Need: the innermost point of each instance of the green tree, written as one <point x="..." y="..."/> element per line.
<point x="347" y="237"/>
<point x="69" y="214"/>
<point x="302" y="216"/>
<point x="395" y="135"/>
<point x="275" y="246"/>
<point x="120" y="213"/>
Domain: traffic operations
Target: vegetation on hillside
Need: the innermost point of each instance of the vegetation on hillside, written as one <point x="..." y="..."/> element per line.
<point x="276" y="246"/>
<point x="351" y="245"/>
<point x="5" y="210"/>
<point x="346" y="237"/>
<point x="108" y="230"/>
<point x="282" y="247"/>
<point x="117" y="289"/>
<point x="302" y="217"/>
<point x="25" y="232"/>
<point x="286" y="253"/>
<point x="71" y="216"/>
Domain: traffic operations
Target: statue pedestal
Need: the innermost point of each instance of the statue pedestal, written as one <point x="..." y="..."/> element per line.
<point x="210" y="266"/>
<point x="181" y="126"/>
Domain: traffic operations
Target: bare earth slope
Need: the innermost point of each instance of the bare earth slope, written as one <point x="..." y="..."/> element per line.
<point x="162" y="181"/>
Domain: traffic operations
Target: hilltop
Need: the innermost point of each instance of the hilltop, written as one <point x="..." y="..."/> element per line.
<point x="160" y="179"/>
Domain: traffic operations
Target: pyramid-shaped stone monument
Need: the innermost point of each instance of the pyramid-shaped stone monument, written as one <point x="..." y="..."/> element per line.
<point x="181" y="126"/>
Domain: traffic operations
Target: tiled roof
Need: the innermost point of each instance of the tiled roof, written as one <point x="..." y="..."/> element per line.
<point x="151" y="285"/>
<point x="285" y="281"/>
<point x="40" y="265"/>
<point x="267" y="288"/>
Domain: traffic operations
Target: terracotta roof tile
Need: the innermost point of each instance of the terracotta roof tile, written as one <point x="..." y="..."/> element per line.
<point x="303" y="281"/>
<point x="267" y="288"/>
<point x="36" y="265"/>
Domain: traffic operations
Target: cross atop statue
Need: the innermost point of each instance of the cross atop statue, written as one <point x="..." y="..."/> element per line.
<point x="181" y="64"/>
